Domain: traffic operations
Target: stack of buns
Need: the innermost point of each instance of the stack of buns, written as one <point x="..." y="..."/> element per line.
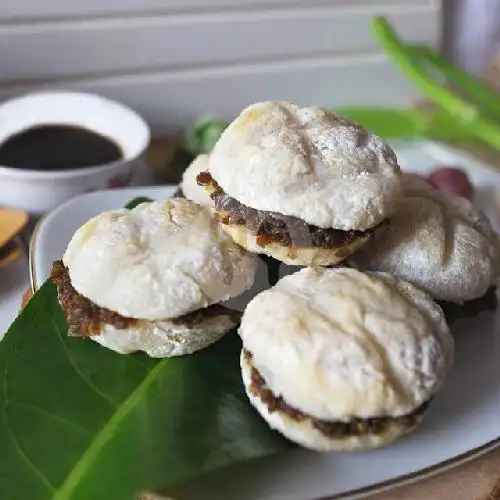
<point x="347" y="352"/>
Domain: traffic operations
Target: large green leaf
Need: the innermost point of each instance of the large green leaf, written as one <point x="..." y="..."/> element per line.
<point x="81" y="422"/>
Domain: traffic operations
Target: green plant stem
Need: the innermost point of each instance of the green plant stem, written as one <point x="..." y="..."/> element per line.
<point x="476" y="90"/>
<point x="402" y="56"/>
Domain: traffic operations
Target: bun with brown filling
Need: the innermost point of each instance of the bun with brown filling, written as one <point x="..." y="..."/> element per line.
<point x="337" y="359"/>
<point x="302" y="185"/>
<point x="152" y="279"/>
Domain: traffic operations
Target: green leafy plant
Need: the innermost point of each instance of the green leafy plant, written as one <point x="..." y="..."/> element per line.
<point x="204" y="134"/>
<point x="390" y="123"/>
<point x="473" y="112"/>
<point x="407" y="123"/>
<point x="80" y="422"/>
<point x="199" y="139"/>
<point x="478" y="113"/>
<point x="464" y="83"/>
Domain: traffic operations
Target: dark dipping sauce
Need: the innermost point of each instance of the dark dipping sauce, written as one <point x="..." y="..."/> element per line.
<point x="57" y="147"/>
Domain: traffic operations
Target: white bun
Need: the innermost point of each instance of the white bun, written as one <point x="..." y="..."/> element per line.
<point x="297" y="256"/>
<point x="308" y="163"/>
<point x="157" y="261"/>
<point x="190" y="188"/>
<point x="305" y="434"/>
<point x="339" y="343"/>
<point x="437" y="241"/>
<point x="164" y="339"/>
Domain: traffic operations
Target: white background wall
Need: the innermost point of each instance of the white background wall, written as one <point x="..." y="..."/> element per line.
<point x="175" y="59"/>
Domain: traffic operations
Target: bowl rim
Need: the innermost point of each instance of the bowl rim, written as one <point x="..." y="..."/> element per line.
<point x="39" y="174"/>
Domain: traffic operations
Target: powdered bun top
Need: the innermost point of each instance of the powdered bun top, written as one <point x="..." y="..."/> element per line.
<point x="190" y="188"/>
<point x="308" y="163"/>
<point x="339" y="343"/>
<point x="437" y="241"/>
<point x="157" y="261"/>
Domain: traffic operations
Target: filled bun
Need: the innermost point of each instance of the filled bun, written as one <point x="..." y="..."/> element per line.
<point x="307" y="163"/>
<point x="338" y="344"/>
<point x="439" y="242"/>
<point x="189" y="186"/>
<point x="157" y="261"/>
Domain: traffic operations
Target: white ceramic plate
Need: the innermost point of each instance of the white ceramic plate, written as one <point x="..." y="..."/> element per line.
<point x="463" y="421"/>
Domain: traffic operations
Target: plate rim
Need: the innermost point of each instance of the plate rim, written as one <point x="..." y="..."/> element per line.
<point x="371" y="489"/>
<point x="421" y="474"/>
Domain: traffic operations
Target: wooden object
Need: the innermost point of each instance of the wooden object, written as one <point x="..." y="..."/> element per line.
<point x="12" y="222"/>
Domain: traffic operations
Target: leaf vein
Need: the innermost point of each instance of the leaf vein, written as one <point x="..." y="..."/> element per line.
<point x="72" y="480"/>
<point x="82" y="375"/>
<point x="51" y="415"/>
<point x="143" y="365"/>
<point x="38" y="473"/>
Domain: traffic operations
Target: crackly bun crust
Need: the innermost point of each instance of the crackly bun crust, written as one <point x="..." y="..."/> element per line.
<point x="190" y="188"/>
<point x="437" y="241"/>
<point x="164" y="339"/>
<point x="339" y="343"/>
<point x="308" y="163"/>
<point x="297" y="256"/>
<point x="157" y="261"/>
<point x="305" y="434"/>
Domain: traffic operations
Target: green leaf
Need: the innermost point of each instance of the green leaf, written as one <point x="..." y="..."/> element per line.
<point x="81" y="422"/>
<point x="390" y="123"/>
<point x="407" y="123"/>
<point x="204" y="134"/>
<point x="386" y="122"/>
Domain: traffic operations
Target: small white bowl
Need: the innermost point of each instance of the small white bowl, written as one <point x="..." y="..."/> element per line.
<point x="39" y="191"/>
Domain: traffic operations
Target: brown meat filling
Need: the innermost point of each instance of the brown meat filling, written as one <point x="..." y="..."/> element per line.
<point x="454" y="312"/>
<point x="86" y="318"/>
<point x="355" y="427"/>
<point x="273" y="227"/>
